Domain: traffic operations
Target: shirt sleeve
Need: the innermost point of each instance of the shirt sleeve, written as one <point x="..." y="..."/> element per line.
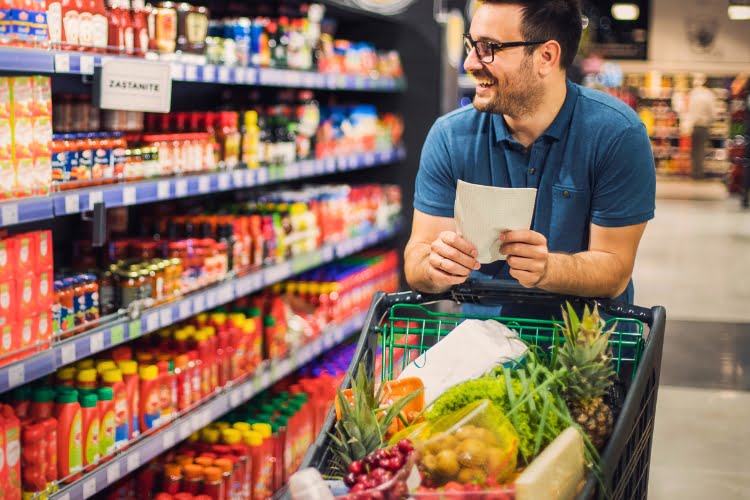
<point x="435" y="190"/>
<point x="625" y="181"/>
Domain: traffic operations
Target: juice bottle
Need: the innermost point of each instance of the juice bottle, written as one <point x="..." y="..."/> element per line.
<point x="184" y="383"/>
<point x="42" y="403"/>
<point x="166" y="403"/>
<point x="90" y="423"/>
<point x="150" y="406"/>
<point x="106" y="407"/>
<point x="50" y="440"/>
<point x="119" y="145"/>
<point x="69" y="435"/>
<point x="129" y="369"/>
<point x="85" y="145"/>
<point x="86" y="380"/>
<point x="66" y="376"/>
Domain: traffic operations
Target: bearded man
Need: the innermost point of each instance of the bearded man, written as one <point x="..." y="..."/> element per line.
<point x="587" y="154"/>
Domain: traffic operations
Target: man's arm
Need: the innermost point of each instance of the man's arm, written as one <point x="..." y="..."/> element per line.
<point x="437" y="258"/>
<point x="602" y="271"/>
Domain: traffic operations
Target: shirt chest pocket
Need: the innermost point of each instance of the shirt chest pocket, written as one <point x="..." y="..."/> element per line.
<point x="570" y="219"/>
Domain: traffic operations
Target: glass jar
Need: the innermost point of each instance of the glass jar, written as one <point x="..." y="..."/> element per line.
<point x="131" y="284"/>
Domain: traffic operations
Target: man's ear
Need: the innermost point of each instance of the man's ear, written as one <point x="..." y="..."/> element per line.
<point x="548" y="57"/>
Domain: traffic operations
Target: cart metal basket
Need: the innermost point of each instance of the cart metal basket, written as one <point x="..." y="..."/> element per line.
<point x="403" y="328"/>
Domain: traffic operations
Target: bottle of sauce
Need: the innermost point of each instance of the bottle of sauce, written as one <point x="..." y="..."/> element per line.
<point x="91" y="294"/>
<point x="166" y="27"/>
<point x="184" y="385"/>
<point x="193" y="481"/>
<point x="33" y="480"/>
<point x="99" y="25"/>
<point x="197" y="29"/>
<point x="229" y="138"/>
<point x="129" y="369"/>
<point x="150" y="407"/>
<point x="172" y="479"/>
<point x="54" y="23"/>
<point x="262" y="469"/>
<point x="85" y="26"/>
<point x="69" y="428"/>
<point x="107" y="427"/>
<point x="213" y="483"/>
<point x="90" y="429"/>
<point x="196" y="376"/>
<point x="42" y="403"/>
<point x="50" y="432"/>
<point x="113" y="380"/>
<point x="127" y="27"/>
<point x="167" y="405"/>
<point x="182" y="41"/>
<point x="140" y="27"/>
<point x="86" y="380"/>
<point x="116" y="32"/>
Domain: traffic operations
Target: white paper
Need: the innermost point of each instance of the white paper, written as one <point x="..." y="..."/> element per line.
<point x="483" y="212"/>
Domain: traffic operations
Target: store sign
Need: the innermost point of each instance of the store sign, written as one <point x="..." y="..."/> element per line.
<point x="132" y="85"/>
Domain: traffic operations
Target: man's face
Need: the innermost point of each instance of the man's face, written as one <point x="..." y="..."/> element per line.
<point x="509" y="84"/>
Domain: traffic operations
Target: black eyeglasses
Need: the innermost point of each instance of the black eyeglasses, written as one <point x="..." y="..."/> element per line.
<point x="486" y="50"/>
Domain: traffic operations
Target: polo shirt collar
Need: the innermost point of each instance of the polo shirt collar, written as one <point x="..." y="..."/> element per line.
<point x="556" y="128"/>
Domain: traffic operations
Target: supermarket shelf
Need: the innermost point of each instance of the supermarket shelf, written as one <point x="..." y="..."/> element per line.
<point x="136" y="193"/>
<point x="125" y="329"/>
<point x="76" y="63"/>
<point x="222" y="402"/>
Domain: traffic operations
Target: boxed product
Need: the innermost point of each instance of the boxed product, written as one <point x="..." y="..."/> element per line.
<point x="26" y="294"/>
<point x="27" y="330"/>
<point x="7" y="169"/>
<point x="43" y="328"/>
<point x="8" y="304"/>
<point x="25" y="251"/>
<point x="7" y="258"/>
<point x="44" y="291"/>
<point x="44" y="256"/>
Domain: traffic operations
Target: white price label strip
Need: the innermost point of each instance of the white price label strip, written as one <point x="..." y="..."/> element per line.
<point x="209" y="73"/>
<point x="238" y="178"/>
<point x="223" y="74"/>
<point x="72" y="205"/>
<point x="62" y="63"/>
<point x="68" y="353"/>
<point x="152" y="322"/>
<point x="184" y="309"/>
<point x="235" y="398"/>
<point x="162" y="190"/>
<point x="128" y="196"/>
<point x="89" y="488"/>
<point x="16" y="375"/>
<point x="191" y="72"/>
<point x="94" y="198"/>
<point x="247" y="392"/>
<point x="134" y="461"/>
<point x="113" y="473"/>
<point x="199" y="303"/>
<point x="167" y="440"/>
<point x="185" y="429"/>
<point x="96" y="342"/>
<point x="181" y="188"/>
<point x="177" y="71"/>
<point x="204" y="184"/>
<point x="224" y="182"/>
<point x="10" y="214"/>
<point x="165" y="316"/>
<point x="87" y="65"/>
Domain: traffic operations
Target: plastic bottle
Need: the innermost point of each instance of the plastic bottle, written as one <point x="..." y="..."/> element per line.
<point x="150" y="406"/>
<point x="42" y="403"/>
<point x="99" y="25"/>
<point x="262" y="469"/>
<point x="140" y="27"/>
<point x="127" y="26"/>
<point x="21" y="401"/>
<point x="166" y="380"/>
<point x="131" y="380"/>
<point x="90" y="423"/>
<point x="196" y="376"/>
<point x="230" y="480"/>
<point x="182" y="377"/>
<point x="33" y="461"/>
<point x="104" y="366"/>
<point x="193" y="479"/>
<point x="172" y="482"/>
<point x="107" y="425"/>
<point x="113" y="380"/>
<point x="233" y="438"/>
<point x="86" y="380"/>
<point x="213" y="484"/>
<point x="66" y="376"/>
<point x="69" y="434"/>
<point x="50" y="440"/>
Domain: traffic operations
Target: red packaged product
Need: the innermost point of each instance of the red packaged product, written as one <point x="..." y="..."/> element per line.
<point x="27" y="327"/>
<point x="43" y="328"/>
<point x="25" y="252"/>
<point x="7" y="258"/>
<point x="8" y="303"/>
<point x="44" y="291"/>
<point x="34" y="459"/>
<point x="44" y="256"/>
<point x="12" y="436"/>
<point x="50" y="442"/>
<point x="26" y="295"/>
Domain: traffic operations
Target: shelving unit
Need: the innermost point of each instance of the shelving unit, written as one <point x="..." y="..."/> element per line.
<point x="193" y="419"/>
<point x="137" y="193"/>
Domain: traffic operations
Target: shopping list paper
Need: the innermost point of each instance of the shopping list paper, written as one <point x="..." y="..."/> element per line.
<point x="483" y="212"/>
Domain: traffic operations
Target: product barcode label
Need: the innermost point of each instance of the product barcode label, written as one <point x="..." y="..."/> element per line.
<point x="238" y="178"/>
<point x="181" y="188"/>
<point x="162" y="190"/>
<point x="191" y="72"/>
<point x="87" y="65"/>
<point x="185" y="429"/>
<point x="262" y="177"/>
<point x="71" y="204"/>
<point x="134" y="461"/>
<point x="10" y="214"/>
<point x="62" y="63"/>
<point x="67" y="353"/>
<point x="89" y="488"/>
<point x="240" y="76"/>
<point x="251" y="76"/>
<point x="113" y="473"/>
<point x="250" y="177"/>
<point x="96" y="342"/>
<point x="16" y="375"/>
<point x="128" y="196"/>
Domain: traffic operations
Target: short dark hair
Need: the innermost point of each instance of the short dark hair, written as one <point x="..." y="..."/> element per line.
<point x="559" y="20"/>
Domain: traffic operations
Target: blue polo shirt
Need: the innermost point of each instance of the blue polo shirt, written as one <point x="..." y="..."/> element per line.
<point x="592" y="165"/>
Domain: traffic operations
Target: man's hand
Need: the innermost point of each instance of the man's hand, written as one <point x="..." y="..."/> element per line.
<point x="451" y="260"/>
<point x="527" y="256"/>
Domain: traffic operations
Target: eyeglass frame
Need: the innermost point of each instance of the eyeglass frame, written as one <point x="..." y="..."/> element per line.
<point x="494" y="46"/>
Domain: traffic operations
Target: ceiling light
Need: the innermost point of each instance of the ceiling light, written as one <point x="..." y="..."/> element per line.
<point x="625" y="11"/>
<point x="739" y="12"/>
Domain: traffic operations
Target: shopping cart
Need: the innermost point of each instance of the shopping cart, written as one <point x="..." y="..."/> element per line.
<point x="401" y="322"/>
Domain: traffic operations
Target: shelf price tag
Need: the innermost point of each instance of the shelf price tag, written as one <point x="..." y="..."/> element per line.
<point x="134" y="329"/>
<point x="224" y="182"/>
<point x="167" y="440"/>
<point x="89" y="488"/>
<point x="238" y="178"/>
<point x="10" y="214"/>
<point x="87" y="65"/>
<point x="134" y="461"/>
<point x="67" y="353"/>
<point x="235" y="398"/>
<point x="251" y="76"/>
<point x="223" y="74"/>
<point x="209" y="73"/>
<point x="162" y="190"/>
<point x="94" y="198"/>
<point x="262" y="176"/>
<point x="247" y="392"/>
<point x="128" y="196"/>
<point x="181" y="188"/>
<point x="165" y="316"/>
<point x="177" y="71"/>
<point x="204" y="184"/>
<point x="117" y="334"/>
<point x="199" y="303"/>
<point x="184" y="309"/>
<point x="113" y="473"/>
<point x="239" y="76"/>
<point x="96" y="342"/>
<point x="191" y="72"/>
<point x="72" y="205"/>
<point x="16" y="375"/>
<point x="62" y="63"/>
<point x="152" y="322"/>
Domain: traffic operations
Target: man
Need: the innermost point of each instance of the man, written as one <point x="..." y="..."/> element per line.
<point x="587" y="153"/>
<point x="701" y="113"/>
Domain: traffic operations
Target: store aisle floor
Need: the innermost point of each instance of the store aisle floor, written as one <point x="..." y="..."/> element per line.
<point x="695" y="260"/>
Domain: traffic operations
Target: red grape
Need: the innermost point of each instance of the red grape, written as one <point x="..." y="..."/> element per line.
<point x="356" y="467"/>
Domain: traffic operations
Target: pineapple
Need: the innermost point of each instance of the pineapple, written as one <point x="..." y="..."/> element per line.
<point x="364" y="423"/>
<point x="585" y="357"/>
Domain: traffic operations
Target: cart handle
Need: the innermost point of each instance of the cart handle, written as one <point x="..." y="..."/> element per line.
<point x="498" y="292"/>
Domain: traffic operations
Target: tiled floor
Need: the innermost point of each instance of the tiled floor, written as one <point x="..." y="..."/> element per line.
<point x="695" y="260"/>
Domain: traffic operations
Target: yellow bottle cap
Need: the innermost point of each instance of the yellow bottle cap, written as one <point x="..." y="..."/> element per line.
<point x="190" y="329"/>
<point x="106" y="365"/>
<point x="194" y="437"/>
<point x="219" y="318"/>
<point x="112" y="376"/>
<point x="181" y="335"/>
<point x="237" y="318"/>
<point x="201" y="319"/>
<point x="66" y="374"/>
<point x="231" y="436"/>
<point x="241" y="426"/>
<point x="220" y="426"/>
<point x="128" y="367"/>
<point x="210" y="436"/>
<point x="148" y="372"/>
<point x="85" y="364"/>
<point x="264" y="430"/>
<point x="200" y="336"/>
<point x="252" y="438"/>
<point x="86" y="376"/>
<point x="210" y="331"/>
<point x="248" y="327"/>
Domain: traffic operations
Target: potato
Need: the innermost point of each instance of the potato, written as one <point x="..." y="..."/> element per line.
<point x="469" y="475"/>
<point x="472" y="453"/>
<point x="447" y="464"/>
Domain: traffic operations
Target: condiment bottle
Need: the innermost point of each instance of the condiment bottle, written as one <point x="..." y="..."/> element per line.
<point x="107" y="425"/>
<point x="140" y="27"/>
<point x="129" y="369"/>
<point x="113" y="379"/>
<point x="150" y="407"/>
<point x="90" y="429"/>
